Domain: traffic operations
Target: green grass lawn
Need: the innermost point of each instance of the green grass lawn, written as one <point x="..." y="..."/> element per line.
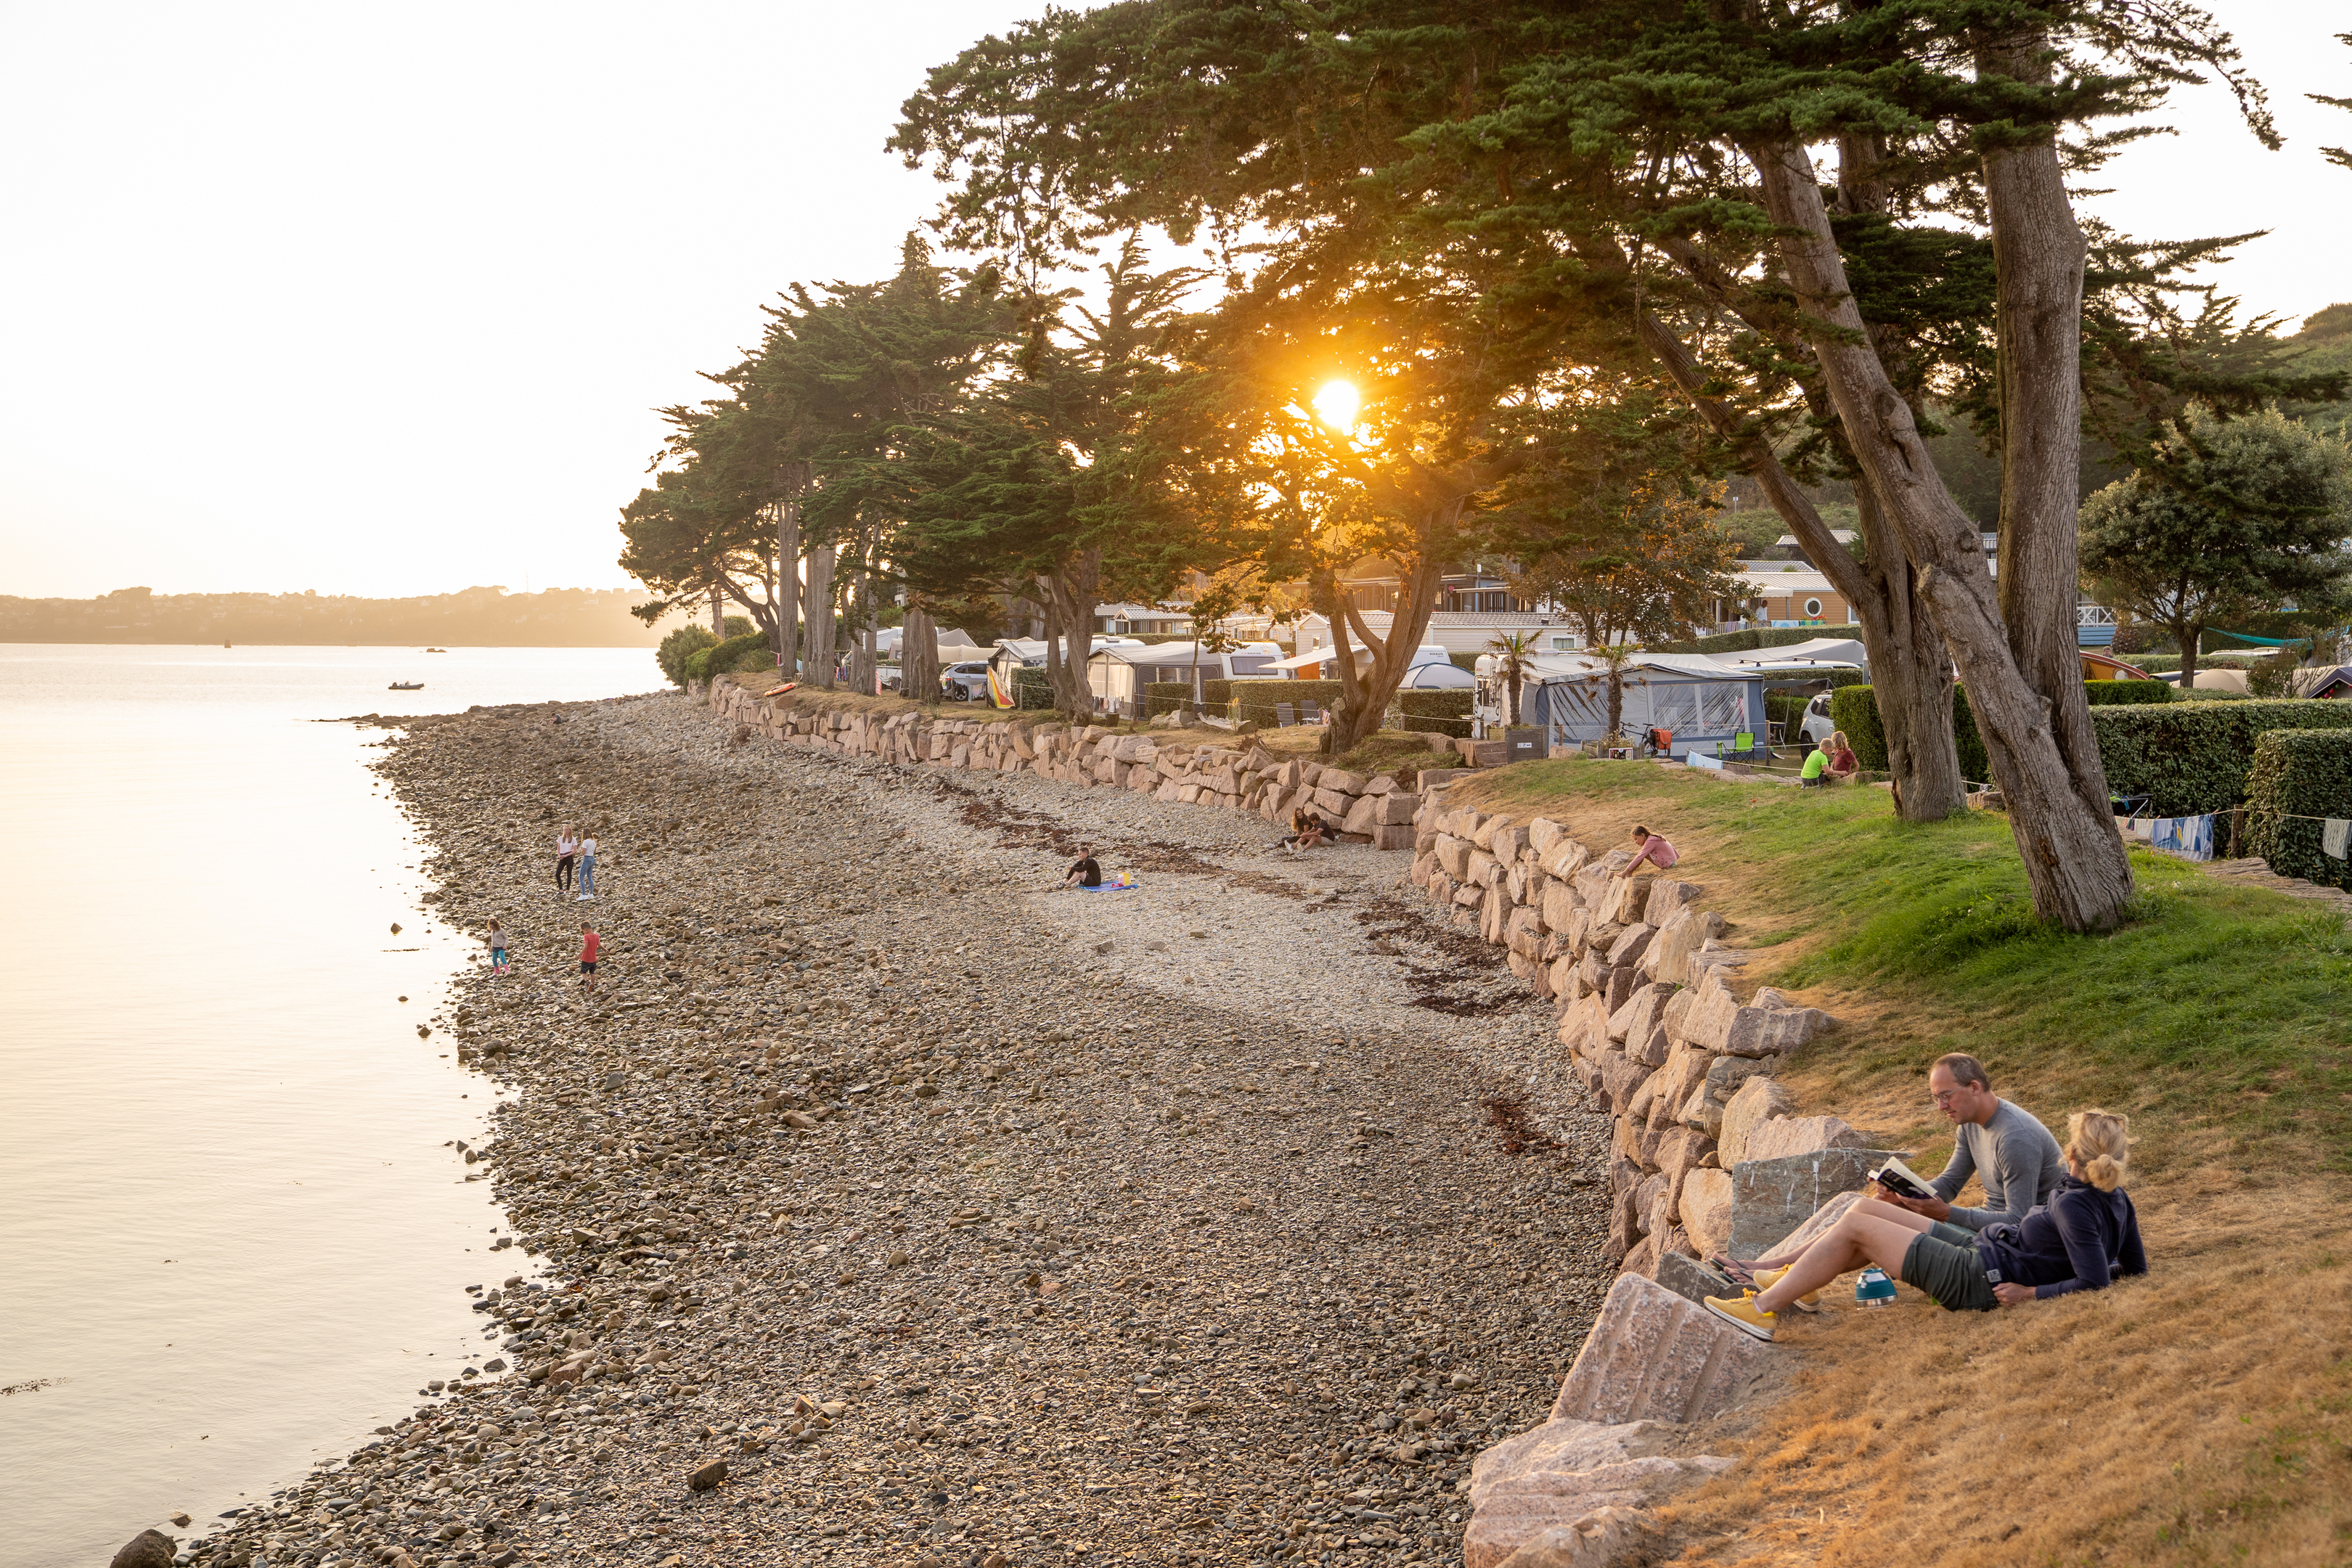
<point x="2220" y="1009"/>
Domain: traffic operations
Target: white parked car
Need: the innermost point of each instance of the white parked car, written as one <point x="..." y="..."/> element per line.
<point x="1818" y="725"/>
<point x="965" y="682"/>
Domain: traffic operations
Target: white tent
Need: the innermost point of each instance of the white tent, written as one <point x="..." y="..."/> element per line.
<point x="1705" y="705"/>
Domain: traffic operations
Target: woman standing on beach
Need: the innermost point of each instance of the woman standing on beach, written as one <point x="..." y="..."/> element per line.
<point x="567" y="847"/>
<point x="587" y="869"/>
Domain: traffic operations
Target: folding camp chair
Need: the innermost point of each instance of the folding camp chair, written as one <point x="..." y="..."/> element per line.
<point x="1284" y="715"/>
<point x="1309" y="714"/>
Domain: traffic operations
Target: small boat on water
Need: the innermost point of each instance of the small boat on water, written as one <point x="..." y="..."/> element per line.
<point x="407" y="686"/>
<point x="437" y="650"/>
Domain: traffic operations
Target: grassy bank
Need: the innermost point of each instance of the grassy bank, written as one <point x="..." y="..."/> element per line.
<point x="2201" y="1415"/>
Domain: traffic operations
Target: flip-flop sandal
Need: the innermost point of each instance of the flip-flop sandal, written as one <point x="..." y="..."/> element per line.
<point x="1735" y="1270"/>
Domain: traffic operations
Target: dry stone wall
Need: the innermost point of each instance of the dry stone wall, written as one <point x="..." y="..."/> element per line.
<point x="1240" y="777"/>
<point x="1653" y="1026"/>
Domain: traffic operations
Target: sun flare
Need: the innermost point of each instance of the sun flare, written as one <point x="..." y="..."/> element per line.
<point x="1335" y="404"/>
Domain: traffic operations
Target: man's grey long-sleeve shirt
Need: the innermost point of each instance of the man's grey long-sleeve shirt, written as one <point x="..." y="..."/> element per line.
<point x="2020" y="1164"/>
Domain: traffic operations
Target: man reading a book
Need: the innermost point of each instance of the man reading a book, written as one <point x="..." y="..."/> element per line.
<point x="2001" y="1145"/>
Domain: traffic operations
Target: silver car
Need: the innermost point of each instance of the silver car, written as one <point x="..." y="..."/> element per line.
<point x="965" y="682"/>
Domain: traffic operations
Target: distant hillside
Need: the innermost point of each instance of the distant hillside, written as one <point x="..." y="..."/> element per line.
<point x="476" y="617"/>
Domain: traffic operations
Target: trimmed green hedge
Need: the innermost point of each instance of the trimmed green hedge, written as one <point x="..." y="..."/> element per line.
<point x="749" y="651"/>
<point x="1854" y="710"/>
<point x="2125" y="694"/>
<point x="1468" y="661"/>
<point x="2299" y="775"/>
<point x="1031" y="689"/>
<point x="2194" y="757"/>
<point x="1253" y="699"/>
<point x="1440" y="712"/>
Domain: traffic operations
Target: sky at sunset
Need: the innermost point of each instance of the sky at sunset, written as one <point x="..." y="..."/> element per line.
<point x="378" y="299"/>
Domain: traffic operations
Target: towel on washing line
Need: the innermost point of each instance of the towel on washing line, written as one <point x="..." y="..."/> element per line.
<point x="2331" y="837"/>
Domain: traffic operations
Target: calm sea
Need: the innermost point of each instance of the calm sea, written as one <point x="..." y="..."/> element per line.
<point x="235" y="1234"/>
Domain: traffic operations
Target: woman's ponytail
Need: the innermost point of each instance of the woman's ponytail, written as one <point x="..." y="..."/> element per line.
<point x="2099" y="1142"/>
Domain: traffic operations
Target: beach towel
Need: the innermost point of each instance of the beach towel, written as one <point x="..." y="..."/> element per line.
<point x="2190" y="837"/>
<point x="2331" y="837"/>
<point x="1118" y="884"/>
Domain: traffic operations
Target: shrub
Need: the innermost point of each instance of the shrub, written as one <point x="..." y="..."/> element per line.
<point x="1253" y="699"/>
<point x="1166" y="696"/>
<point x="698" y="664"/>
<point x="1031" y="689"/>
<point x="2299" y="775"/>
<point x="748" y="651"/>
<point x="2193" y="757"/>
<point x="1440" y="712"/>
<point x="678" y="646"/>
<point x="1468" y="661"/>
<point x="2124" y="693"/>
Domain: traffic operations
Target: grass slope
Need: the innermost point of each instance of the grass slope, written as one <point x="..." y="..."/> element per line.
<point x="2203" y="1415"/>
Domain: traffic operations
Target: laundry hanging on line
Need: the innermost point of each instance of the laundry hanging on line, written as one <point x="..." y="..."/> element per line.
<point x="2190" y="837"/>
<point x="2331" y="837"/>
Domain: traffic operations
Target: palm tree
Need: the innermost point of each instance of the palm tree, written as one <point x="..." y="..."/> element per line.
<point x="1513" y="655"/>
<point x="1615" y="657"/>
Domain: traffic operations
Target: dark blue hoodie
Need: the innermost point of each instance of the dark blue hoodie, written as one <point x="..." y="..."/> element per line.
<point x="2080" y="1240"/>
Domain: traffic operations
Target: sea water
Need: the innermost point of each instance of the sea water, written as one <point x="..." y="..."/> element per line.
<point x="236" y="1230"/>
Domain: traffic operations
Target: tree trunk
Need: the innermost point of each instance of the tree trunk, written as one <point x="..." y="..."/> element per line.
<point x="1071" y="597"/>
<point x="718" y="611"/>
<point x="918" y="656"/>
<point x="2038" y="255"/>
<point x="2073" y="858"/>
<point x="820" y="618"/>
<point x="1910" y="674"/>
<point x="2186" y="636"/>
<point x="788" y="586"/>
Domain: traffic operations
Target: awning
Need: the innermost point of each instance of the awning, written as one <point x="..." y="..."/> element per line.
<point x="1316" y="656"/>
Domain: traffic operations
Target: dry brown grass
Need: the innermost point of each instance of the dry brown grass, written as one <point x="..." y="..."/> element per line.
<point x="2196" y="1415"/>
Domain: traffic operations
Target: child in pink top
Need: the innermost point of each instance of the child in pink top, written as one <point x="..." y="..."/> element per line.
<point x="1650" y="846"/>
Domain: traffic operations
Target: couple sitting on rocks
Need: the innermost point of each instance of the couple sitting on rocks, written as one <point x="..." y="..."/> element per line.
<point x="2054" y="1221"/>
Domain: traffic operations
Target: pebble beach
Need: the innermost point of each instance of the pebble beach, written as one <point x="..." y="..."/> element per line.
<point x="888" y="1204"/>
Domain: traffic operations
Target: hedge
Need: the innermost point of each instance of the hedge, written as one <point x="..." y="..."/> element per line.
<point x="2194" y="757"/>
<point x="2299" y="775"/>
<point x="1031" y="689"/>
<point x="1253" y="699"/>
<point x="1854" y="710"/>
<point x="1444" y="711"/>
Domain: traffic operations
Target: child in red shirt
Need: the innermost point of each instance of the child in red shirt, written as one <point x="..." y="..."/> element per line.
<point x="588" y="945"/>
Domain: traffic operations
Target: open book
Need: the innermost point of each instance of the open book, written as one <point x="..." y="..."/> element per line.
<point x="1902" y="1180"/>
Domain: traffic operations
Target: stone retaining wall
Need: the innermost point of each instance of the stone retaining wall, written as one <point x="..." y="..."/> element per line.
<point x="1240" y="777"/>
<point x="1652" y="1025"/>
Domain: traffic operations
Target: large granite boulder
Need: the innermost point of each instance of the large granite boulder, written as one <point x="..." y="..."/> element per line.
<point x="1707" y="1210"/>
<point x="1771" y="1199"/>
<point x="1767" y="1026"/>
<point x="1755" y="1102"/>
<point x="1573" y="1494"/>
<point x="1790" y="1135"/>
<point x="1654" y="1356"/>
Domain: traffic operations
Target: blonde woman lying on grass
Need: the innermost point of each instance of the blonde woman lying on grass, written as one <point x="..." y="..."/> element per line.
<point x="2082" y="1239"/>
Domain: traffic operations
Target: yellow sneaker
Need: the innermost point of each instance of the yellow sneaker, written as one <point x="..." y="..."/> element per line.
<point x="1767" y="1277"/>
<point x="1743" y="1314"/>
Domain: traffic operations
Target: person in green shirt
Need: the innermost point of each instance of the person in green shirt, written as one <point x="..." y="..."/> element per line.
<point x="1816" y="766"/>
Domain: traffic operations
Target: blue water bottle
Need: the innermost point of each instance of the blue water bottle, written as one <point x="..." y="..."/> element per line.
<point x="1873" y="1289"/>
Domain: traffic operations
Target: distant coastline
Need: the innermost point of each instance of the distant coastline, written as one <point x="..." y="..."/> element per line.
<point x="474" y="617"/>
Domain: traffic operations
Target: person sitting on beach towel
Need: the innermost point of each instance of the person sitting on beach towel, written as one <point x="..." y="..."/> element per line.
<point x="2085" y="1239"/>
<point x="1087" y="872"/>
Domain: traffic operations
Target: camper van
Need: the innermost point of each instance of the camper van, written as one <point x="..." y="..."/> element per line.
<point x="1117" y="676"/>
<point x="1029" y="653"/>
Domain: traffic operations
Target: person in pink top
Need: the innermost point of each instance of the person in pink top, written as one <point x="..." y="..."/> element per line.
<point x="1650" y="846"/>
